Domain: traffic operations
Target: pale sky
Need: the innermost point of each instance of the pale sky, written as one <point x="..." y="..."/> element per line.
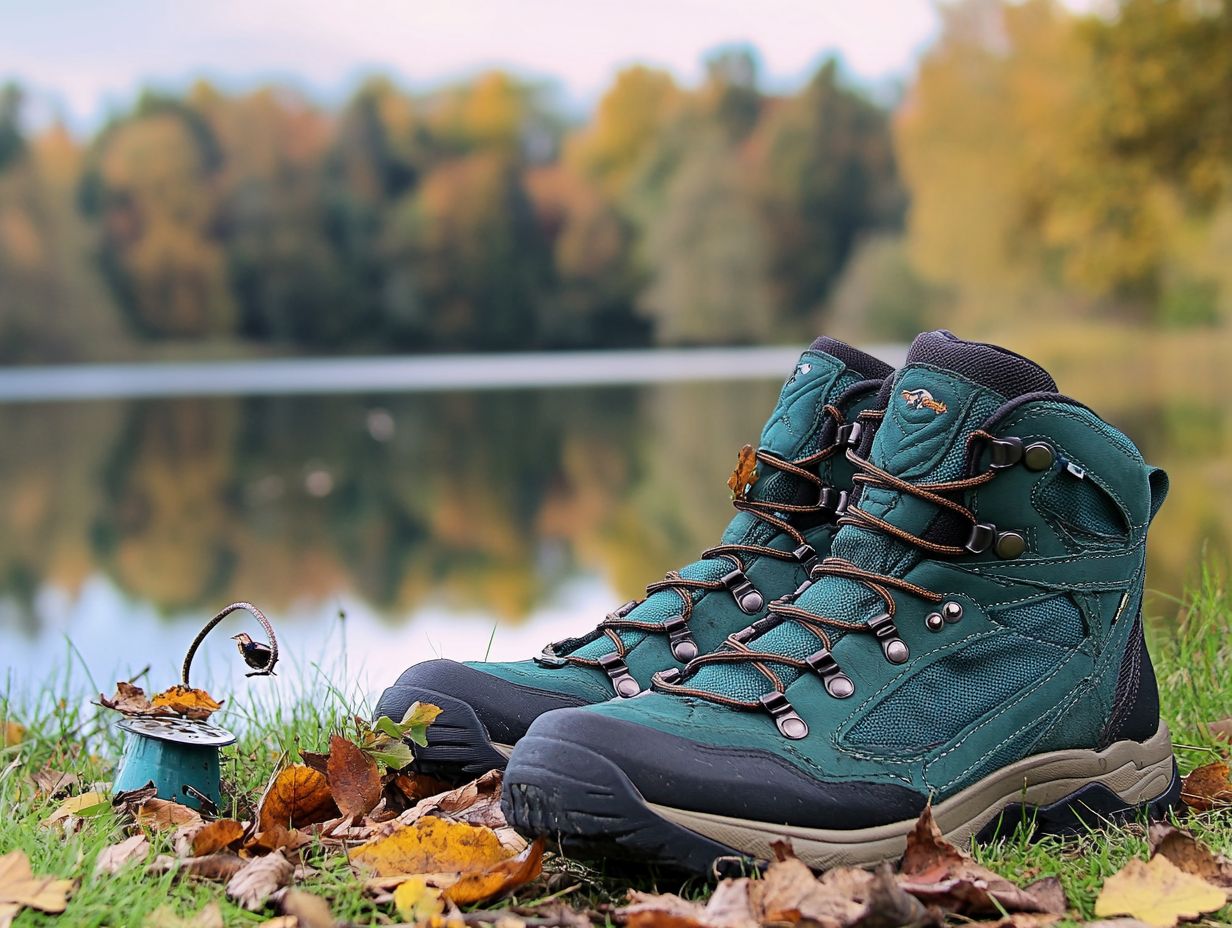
<point x="89" y="57"/>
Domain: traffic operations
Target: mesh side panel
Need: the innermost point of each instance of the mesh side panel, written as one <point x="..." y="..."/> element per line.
<point x="1056" y="619"/>
<point x="953" y="693"/>
<point x="1083" y="505"/>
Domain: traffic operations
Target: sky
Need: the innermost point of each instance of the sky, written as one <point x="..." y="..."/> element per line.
<point x="83" y="59"/>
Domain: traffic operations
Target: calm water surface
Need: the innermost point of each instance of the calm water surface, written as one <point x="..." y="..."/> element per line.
<point x="454" y="523"/>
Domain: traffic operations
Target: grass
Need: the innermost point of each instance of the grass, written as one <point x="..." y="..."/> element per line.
<point x="1191" y="654"/>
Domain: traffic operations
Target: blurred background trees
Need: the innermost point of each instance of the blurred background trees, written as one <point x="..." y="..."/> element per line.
<point x="1052" y="164"/>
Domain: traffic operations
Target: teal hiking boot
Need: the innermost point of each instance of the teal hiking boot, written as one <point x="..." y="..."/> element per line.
<point x="784" y="524"/>
<point x="975" y="640"/>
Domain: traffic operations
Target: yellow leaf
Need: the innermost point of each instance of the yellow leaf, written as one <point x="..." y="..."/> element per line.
<point x="1157" y="893"/>
<point x="417" y="902"/>
<point x="432" y="845"/>
<point x="12" y="734"/>
<point x="83" y="804"/>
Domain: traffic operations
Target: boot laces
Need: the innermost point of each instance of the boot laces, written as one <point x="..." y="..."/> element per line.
<point x="738" y="650"/>
<point x="776" y="514"/>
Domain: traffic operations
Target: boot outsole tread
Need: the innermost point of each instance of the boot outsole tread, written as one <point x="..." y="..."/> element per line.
<point x="459" y="747"/>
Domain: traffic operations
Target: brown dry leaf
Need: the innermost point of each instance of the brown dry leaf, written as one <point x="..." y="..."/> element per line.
<point x="842" y="897"/>
<point x="277" y="838"/>
<point x="165" y="815"/>
<point x="732" y="905"/>
<point x="318" y="762"/>
<point x="308" y="910"/>
<point x="499" y="879"/>
<point x="1207" y="788"/>
<point x="432" y="845"/>
<point x="130" y="700"/>
<point x="259" y="879"/>
<point x="1221" y="729"/>
<point x="281" y="921"/>
<point x="186" y="701"/>
<point x="218" y="868"/>
<point x="415" y="786"/>
<point x="476" y="803"/>
<point x="165" y="917"/>
<point x="20" y="888"/>
<point x="215" y="836"/>
<point x="745" y="474"/>
<point x="1189" y="854"/>
<point x="82" y="805"/>
<point x="296" y="797"/>
<point x="115" y="858"/>
<point x="353" y="777"/>
<point x="51" y="783"/>
<point x="1158" y="893"/>
<point x="12" y="733"/>
<point x="937" y="873"/>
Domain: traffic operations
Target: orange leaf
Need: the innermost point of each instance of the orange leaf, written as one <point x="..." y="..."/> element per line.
<point x="745" y="474"/>
<point x="165" y="815"/>
<point x="1207" y="788"/>
<point x="298" y="796"/>
<point x="353" y="777"/>
<point x="188" y="702"/>
<point x="216" y="835"/>
<point x="499" y="879"/>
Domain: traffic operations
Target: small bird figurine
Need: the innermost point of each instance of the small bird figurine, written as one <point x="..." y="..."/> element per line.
<point x="256" y="655"/>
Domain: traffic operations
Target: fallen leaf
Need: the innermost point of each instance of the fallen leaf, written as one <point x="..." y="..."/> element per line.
<point x="11" y="734"/>
<point x="476" y="803"/>
<point x="1158" y="893"/>
<point x="499" y="879"/>
<point x="745" y="474"/>
<point x="318" y="762"/>
<point x="130" y="799"/>
<point x="20" y="888"/>
<point x="296" y="797"/>
<point x="165" y="917"/>
<point x="417" y="902"/>
<point x="432" y="845"/>
<point x="218" y="868"/>
<point x="115" y="858"/>
<point x="281" y="921"/>
<point x="729" y="906"/>
<point x="938" y="873"/>
<point x="1189" y="854"/>
<point x="308" y="910"/>
<point x="164" y="815"/>
<point x="187" y="702"/>
<point x="130" y="700"/>
<point x="353" y="778"/>
<point x="51" y="783"/>
<point x="1207" y="787"/>
<point x="416" y="786"/>
<point x="83" y="805"/>
<point x="259" y="879"/>
<point x="215" y="836"/>
<point x="277" y="838"/>
<point x="1221" y="729"/>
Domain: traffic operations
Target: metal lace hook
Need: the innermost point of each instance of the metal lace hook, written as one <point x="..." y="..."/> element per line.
<point x="261" y="669"/>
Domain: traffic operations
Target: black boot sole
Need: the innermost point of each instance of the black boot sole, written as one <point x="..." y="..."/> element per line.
<point x="459" y="748"/>
<point x="583" y="802"/>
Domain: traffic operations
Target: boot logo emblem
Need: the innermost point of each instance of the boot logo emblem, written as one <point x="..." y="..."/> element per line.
<point x="922" y="399"/>
<point x="801" y="368"/>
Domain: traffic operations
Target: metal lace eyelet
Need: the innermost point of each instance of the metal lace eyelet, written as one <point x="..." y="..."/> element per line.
<point x="788" y="722"/>
<point x="618" y="672"/>
<point x="934" y="622"/>
<point x="837" y="683"/>
<point x="892" y="646"/>
<point x="952" y="611"/>
<point x="747" y="596"/>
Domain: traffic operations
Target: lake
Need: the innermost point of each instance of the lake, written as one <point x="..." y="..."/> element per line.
<point x="384" y="512"/>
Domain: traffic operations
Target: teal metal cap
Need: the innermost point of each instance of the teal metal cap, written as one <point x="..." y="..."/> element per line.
<point x="179" y="756"/>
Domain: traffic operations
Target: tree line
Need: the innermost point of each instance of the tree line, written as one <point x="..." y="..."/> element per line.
<point x="1040" y="162"/>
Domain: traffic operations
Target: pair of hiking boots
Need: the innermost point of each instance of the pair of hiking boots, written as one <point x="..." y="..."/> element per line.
<point x="931" y="592"/>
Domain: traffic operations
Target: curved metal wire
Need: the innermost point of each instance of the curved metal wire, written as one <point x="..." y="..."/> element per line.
<point x="209" y="627"/>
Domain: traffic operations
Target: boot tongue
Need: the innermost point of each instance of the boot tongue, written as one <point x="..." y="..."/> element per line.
<point x="798" y="425"/>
